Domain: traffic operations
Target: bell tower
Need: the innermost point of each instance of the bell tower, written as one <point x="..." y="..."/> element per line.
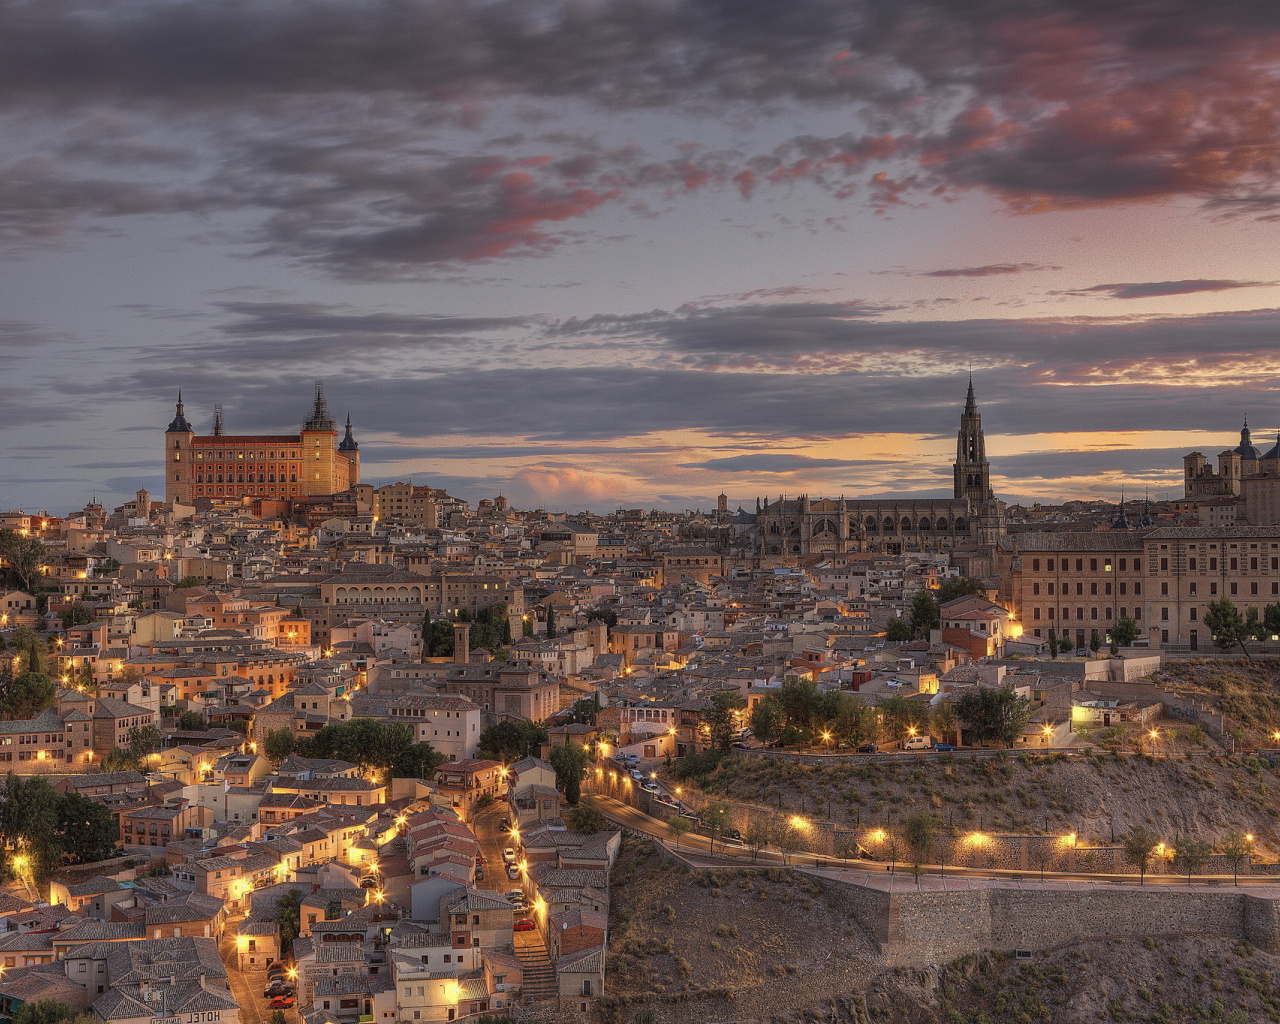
<point x="177" y="457"/>
<point x="972" y="471"/>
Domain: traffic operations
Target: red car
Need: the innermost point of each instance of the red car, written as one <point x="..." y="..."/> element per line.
<point x="524" y="925"/>
<point x="281" y="1002"/>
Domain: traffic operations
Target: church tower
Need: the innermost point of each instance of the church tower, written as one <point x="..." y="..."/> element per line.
<point x="972" y="471"/>
<point x="319" y="443"/>
<point x="177" y="457"/>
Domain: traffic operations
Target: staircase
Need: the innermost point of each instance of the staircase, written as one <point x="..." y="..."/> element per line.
<point x="540" y="985"/>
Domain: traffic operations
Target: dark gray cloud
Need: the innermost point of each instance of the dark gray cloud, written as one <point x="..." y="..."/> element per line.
<point x="990" y="270"/>
<point x="1158" y="289"/>
<point x="775" y="463"/>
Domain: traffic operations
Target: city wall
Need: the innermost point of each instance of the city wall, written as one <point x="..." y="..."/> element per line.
<point x="921" y="928"/>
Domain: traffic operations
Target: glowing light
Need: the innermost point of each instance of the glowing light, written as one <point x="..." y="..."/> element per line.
<point x="1248" y="838"/>
<point x="798" y="822"/>
<point x="977" y="839"/>
<point x="879" y="836"/>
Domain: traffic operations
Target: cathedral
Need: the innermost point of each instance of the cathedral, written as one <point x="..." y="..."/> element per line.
<point x="223" y="467"/>
<point x="973" y="516"/>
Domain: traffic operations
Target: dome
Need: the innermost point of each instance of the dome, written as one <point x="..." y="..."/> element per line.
<point x="1246" y="449"/>
<point x="1275" y="451"/>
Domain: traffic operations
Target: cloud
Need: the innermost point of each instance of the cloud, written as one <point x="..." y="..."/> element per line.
<point x="563" y="484"/>
<point x="1157" y="289"/>
<point x="990" y="270"/>
<point x="772" y="463"/>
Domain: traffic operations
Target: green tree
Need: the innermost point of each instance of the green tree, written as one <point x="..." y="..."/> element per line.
<point x="76" y="614"/>
<point x="994" y="714"/>
<point x="120" y="760"/>
<point x="959" y="586"/>
<point x="507" y="741"/>
<point x="437" y="638"/>
<point x="187" y="582"/>
<point x="87" y="829"/>
<point x="924" y="614"/>
<point x="191" y="721"/>
<point x="587" y="819"/>
<point x="715" y="819"/>
<point x="1139" y="845"/>
<point x="1227" y="626"/>
<point x="903" y="714"/>
<point x="723" y="718"/>
<point x="289" y="919"/>
<point x="606" y="615"/>
<point x="570" y="762"/>
<point x="1125" y="631"/>
<point x="31" y="826"/>
<point x="143" y="740"/>
<point x="551" y="621"/>
<point x="945" y="721"/>
<point x="20" y="558"/>
<point x="278" y="1017"/>
<point x="279" y="744"/>
<point x="1236" y="849"/>
<point x="1190" y="855"/>
<point x="374" y="746"/>
<point x="898" y="631"/>
<point x="526" y="626"/>
<point x="417" y="761"/>
<point x="1095" y="642"/>
<point x="50" y="1011"/>
<point x="1053" y="643"/>
<point x="678" y="825"/>
<point x="26" y="696"/>
<point x="767" y="719"/>
<point x="919" y="832"/>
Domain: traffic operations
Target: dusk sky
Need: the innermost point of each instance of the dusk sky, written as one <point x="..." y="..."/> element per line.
<point x="637" y="252"/>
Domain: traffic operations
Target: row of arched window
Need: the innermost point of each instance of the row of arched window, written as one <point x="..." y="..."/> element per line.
<point x="889" y="524"/>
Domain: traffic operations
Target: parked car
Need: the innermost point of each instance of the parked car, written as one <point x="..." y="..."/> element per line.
<point x="281" y="1002"/>
<point x="277" y="988"/>
<point x="513" y="872"/>
<point x="523" y="925"/>
<point x="734" y="834"/>
<point x="637" y="774"/>
<point x="943" y="747"/>
<point x="917" y="743"/>
<point x="868" y="748"/>
<point x="518" y="905"/>
<point x="277" y="971"/>
<point x="509" y="855"/>
<point x="505" y="824"/>
<point x="514" y="892"/>
<point x="479" y="873"/>
<point x="650" y="787"/>
<point x="628" y="759"/>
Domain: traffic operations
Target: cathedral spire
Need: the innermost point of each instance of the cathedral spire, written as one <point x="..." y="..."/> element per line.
<point x="971" y="470"/>
<point x="179" y="423"/>
<point x="348" y="443"/>
<point x="970" y="403"/>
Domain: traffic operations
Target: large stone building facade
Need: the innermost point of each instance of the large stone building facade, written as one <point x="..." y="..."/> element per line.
<point x="223" y="467"/>
<point x="1245" y="473"/>
<point x="973" y="516"/>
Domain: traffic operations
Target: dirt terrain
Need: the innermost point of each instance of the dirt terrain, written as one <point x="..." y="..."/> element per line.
<point x="684" y="940"/>
<point x="1099" y="798"/>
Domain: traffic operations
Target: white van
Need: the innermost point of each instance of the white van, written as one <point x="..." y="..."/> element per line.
<point x="918" y="743"/>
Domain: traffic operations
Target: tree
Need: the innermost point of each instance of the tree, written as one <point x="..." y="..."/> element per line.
<point x="87" y="829"/>
<point x="758" y="834"/>
<point x="924" y="614"/>
<point x="606" y="615"/>
<point x="918" y="832"/>
<point x="289" y="919"/>
<point x="1236" y="849"/>
<point x="1228" y="627"/>
<point x="945" y="721"/>
<point x="570" y="762"/>
<point x="31" y="827"/>
<point x="1095" y="641"/>
<point x="715" y="819"/>
<point x="903" y="714"/>
<point x="49" y="1011"/>
<point x="27" y="695"/>
<point x="417" y="761"/>
<point x="437" y="638"/>
<point x="678" y="825"/>
<point x="767" y="719"/>
<point x="278" y="1017"/>
<point x="187" y="582"/>
<point x="76" y="614"/>
<point x="959" y="586"/>
<point x="279" y="744"/>
<point x="1139" y="845"/>
<point x="1053" y="643"/>
<point x="526" y="626"/>
<point x="586" y="819"/>
<point x="508" y="741"/>
<point x="551" y="621"/>
<point x="143" y="740"/>
<point x="789" y="839"/>
<point x="374" y="746"/>
<point x="994" y="714"/>
<point x="898" y="631"/>
<point x="1190" y="855"/>
<point x="191" y="721"/>
<point x="1125" y="631"/>
<point x="21" y="557"/>
<point x="723" y="718"/>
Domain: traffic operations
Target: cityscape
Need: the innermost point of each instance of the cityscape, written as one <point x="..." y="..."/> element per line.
<point x="639" y="512"/>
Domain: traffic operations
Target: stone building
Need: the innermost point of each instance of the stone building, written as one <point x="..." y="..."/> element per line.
<point x="973" y="516"/>
<point x="222" y="467"/>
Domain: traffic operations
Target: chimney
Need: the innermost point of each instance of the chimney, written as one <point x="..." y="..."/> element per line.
<point x="461" y="641"/>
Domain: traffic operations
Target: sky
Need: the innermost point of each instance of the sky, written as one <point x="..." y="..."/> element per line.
<point x="622" y="253"/>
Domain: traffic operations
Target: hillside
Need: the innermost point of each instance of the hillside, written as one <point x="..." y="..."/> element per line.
<point x="681" y="940"/>
<point x="1247" y="692"/>
<point x="1098" y="798"/>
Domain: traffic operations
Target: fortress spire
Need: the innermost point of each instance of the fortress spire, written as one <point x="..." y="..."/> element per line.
<point x="320" y="418"/>
<point x="179" y="423"/>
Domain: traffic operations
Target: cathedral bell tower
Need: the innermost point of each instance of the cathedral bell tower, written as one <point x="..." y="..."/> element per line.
<point x="972" y="471"/>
